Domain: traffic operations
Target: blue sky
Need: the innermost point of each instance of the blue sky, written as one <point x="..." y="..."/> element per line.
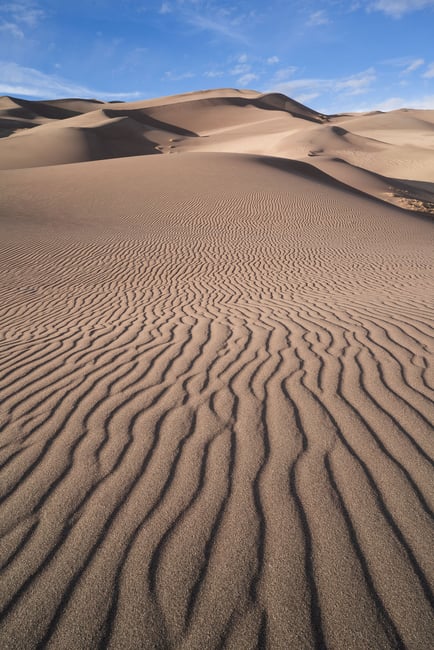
<point x="333" y="55"/>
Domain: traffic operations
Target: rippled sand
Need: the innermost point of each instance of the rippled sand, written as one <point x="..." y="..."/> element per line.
<point x="216" y="397"/>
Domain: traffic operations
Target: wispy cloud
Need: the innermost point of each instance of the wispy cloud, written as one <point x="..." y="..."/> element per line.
<point x="215" y="25"/>
<point x="429" y="72"/>
<point x="397" y="8"/>
<point x="243" y="68"/>
<point x="395" y="103"/>
<point x="304" y="98"/>
<point x="12" y="29"/>
<point x="356" y="84"/>
<point x="284" y="73"/>
<point x="407" y="64"/>
<point x="19" y="15"/>
<point x="174" y="76"/>
<point x="272" y="60"/>
<point x="212" y="74"/>
<point x="209" y="16"/>
<point x="247" y="79"/>
<point x="19" y="80"/>
<point x="240" y="68"/>
<point x="414" y="65"/>
<point x="165" y="8"/>
<point x="318" y="18"/>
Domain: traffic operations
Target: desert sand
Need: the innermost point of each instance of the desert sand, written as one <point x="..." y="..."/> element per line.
<point x="216" y="377"/>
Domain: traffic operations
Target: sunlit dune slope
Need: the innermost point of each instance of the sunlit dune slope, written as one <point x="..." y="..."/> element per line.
<point x="387" y="154"/>
<point x="216" y="378"/>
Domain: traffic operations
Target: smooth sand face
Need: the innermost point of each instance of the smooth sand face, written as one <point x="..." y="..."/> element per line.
<point x="215" y="383"/>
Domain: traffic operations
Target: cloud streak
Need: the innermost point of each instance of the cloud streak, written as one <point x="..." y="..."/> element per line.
<point x="397" y="8"/>
<point x="318" y="18"/>
<point x="209" y="16"/>
<point x="12" y="29"/>
<point x="414" y="65"/>
<point x="20" y="80"/>
<point x="429" y="72"/>
<point x="356" y="84"/>
<point x="246" y="79"/>
<point x="395" y="103"/>
<point x="216" y="26"/>
<point x="23" y="13"/>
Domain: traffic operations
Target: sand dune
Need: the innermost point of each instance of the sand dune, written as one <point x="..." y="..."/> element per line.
<point x="216" y="381"/>
<point x="387" y="155"/>
<point x="17" y="114"/>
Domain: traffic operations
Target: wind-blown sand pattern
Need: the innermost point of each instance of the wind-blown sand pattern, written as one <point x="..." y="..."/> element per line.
<point x="216" y="391"/>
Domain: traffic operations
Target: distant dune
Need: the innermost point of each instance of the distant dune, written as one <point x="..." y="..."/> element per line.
<point x="387" y="155"/>
<point x="216" y="379"/>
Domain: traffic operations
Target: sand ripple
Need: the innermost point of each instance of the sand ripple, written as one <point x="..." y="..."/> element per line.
<point x="216" y="411"/>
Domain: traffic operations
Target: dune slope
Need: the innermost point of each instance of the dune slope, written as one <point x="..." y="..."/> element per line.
<point x="216" y="414"/>
<point x="386" y="155"/>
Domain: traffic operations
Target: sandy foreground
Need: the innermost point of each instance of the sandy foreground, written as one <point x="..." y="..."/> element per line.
<point x="216" y="376"/>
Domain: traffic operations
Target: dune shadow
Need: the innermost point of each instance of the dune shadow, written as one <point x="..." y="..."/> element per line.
<point x="140" y="116"/>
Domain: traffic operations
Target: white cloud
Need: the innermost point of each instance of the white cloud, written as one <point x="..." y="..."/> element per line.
<point x="318" y="18"/>
<point x="23" y="12"/>
<point x="12" y="29"/>
<point x="19" y="80"/>
<point x="356" y="84"/>
<point x="207" y="24"/>
<point x="242" y="58"/>
<point x="426" y="102"/>
<point x="213" y="73"/>
<point x="284" y="73"/>
<point x="272" y="60"/>
<point x="220" y="26"/>
<point x="398" y="61"/>
<point x="407" y="63"/>
<point x="394" y="103"/>
<point x="210" y="16"/>
<point x="306" y="97"/>
<point x="429" y="72"/>
<point x="246" y="79"/>
<point x="241" y="68"/>
<point x="390" y="104"/>
<point x="414" y="65"/>
<point x="398" y="8"/>
<point x="173" y="76"/>
<point x="16" y="17"/>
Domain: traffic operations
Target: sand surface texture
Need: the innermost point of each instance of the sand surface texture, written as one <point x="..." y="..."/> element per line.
<point x="215" y="382"/>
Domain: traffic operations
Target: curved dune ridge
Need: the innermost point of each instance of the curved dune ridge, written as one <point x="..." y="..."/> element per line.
<point x="387" y="155"/>
<point x="216" y="385"/>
